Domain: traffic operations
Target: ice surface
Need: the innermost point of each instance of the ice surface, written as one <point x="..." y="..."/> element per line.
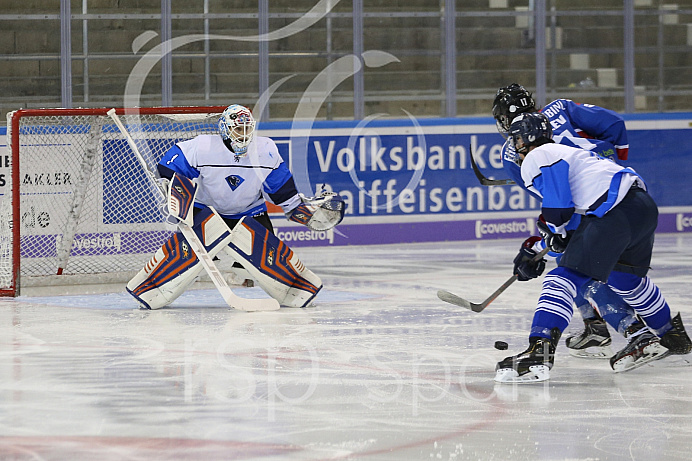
<point x="379" y="369"/>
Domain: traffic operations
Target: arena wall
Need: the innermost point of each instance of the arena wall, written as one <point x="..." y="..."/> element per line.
<point x="411" y="180"/>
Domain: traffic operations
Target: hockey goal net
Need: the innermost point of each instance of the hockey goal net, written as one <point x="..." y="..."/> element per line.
<point x="76" y="206"/>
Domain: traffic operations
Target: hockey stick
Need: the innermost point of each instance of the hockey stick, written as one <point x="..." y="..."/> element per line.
<point x="451" y="298"/>
<point x="483" y="180"/>
<point x="233" y="300"/>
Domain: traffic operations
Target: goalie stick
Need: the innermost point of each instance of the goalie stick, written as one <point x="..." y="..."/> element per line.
<point x="233" y="300"/>
<point x="482" y="179"/>
<point x="451" y="298"/>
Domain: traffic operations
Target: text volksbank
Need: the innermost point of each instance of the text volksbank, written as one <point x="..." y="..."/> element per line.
<point x="408" y="175"/>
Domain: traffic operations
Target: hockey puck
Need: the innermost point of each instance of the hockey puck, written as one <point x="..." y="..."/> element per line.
<point x="501" y="345"/>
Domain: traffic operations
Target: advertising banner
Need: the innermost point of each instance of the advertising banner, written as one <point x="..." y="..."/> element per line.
<point x="403" y="181"/>
<point x="412" y="181"/>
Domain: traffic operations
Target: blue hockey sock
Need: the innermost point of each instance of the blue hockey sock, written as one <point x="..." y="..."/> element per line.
<point x="554" y="309"/>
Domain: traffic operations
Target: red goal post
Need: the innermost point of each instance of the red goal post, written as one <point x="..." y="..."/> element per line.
<point x="77" y="207"/>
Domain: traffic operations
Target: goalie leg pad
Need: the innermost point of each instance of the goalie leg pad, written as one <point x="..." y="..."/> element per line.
<point x="175" y="266"/>
<point x="277" y="269"/>
<point x="167" y="274"/>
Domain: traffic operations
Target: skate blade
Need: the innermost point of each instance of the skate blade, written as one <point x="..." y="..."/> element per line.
<point x="672" y="361"/>
<point x="535" y="374"/>
<point x="596" y="352"/>
<point x="652" y="352"/>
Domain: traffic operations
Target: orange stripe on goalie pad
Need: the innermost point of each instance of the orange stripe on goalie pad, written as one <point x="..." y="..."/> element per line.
<point x="178" y="258"/>
<point x="276" y="261"/>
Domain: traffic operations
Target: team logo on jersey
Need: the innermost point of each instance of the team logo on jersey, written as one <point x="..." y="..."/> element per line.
<point x="234" y="181"/>
<point x="608" y="153"/>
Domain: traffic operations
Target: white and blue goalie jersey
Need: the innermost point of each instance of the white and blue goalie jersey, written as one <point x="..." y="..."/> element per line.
<point x="234" y="186"/>
<point x="571" y="180"/>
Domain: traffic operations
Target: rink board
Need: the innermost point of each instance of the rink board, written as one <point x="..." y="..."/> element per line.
<point x="374" y="166"/>
<point x="411" y="181"/>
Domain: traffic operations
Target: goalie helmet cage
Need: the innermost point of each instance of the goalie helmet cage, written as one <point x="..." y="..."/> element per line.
<point x="77" y="207"/>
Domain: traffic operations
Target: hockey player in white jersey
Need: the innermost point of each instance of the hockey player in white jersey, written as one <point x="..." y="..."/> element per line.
<point x="597" y="130"/>
<point x="613" y="202"/>
<point x="221" y="183"/>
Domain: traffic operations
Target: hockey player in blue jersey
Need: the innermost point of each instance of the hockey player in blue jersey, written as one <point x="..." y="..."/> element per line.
<point x="613" y="202"/>
<point x="232" y="175"/>
<point x="584" y="126"/>
<point x="597" y="130"/>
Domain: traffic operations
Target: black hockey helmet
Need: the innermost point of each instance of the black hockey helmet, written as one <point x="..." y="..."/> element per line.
<point x="530" y="129"/>
<point x="509" y="102"/>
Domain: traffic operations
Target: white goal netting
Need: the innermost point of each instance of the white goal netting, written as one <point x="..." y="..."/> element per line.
<point x="83" y="203"/>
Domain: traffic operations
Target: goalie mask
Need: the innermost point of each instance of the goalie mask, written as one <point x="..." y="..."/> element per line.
<point x="237" y="128"/>
<point x="532" y="129"/>
<point x="509" y="102"/>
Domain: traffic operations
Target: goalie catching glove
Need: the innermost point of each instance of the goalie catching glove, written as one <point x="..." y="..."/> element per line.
<point x="319" y="213"/>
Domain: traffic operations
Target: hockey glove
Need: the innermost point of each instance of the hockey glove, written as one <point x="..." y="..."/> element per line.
<point x="556" y="242"/>
<point x="319" y="213"/>
<point x="524" y="266"/>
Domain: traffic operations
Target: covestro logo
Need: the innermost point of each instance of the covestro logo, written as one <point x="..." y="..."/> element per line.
<point x="683" y="222"/>
<point x="524" y="226"/>
<point x="291" y="235"/>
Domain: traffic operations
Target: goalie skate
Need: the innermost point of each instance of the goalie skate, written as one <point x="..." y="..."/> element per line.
<point x="593" y="342"/>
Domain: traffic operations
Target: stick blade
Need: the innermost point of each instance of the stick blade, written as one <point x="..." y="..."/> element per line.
<point x="451" y="298"/>
<point x="247" y="304"/>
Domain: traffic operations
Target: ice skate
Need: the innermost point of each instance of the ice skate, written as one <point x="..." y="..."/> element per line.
<point x="593" y="342"/>
<point x="532" y="365"/>
<point x="676" y="339"/>
<point x="643" y="347"/>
